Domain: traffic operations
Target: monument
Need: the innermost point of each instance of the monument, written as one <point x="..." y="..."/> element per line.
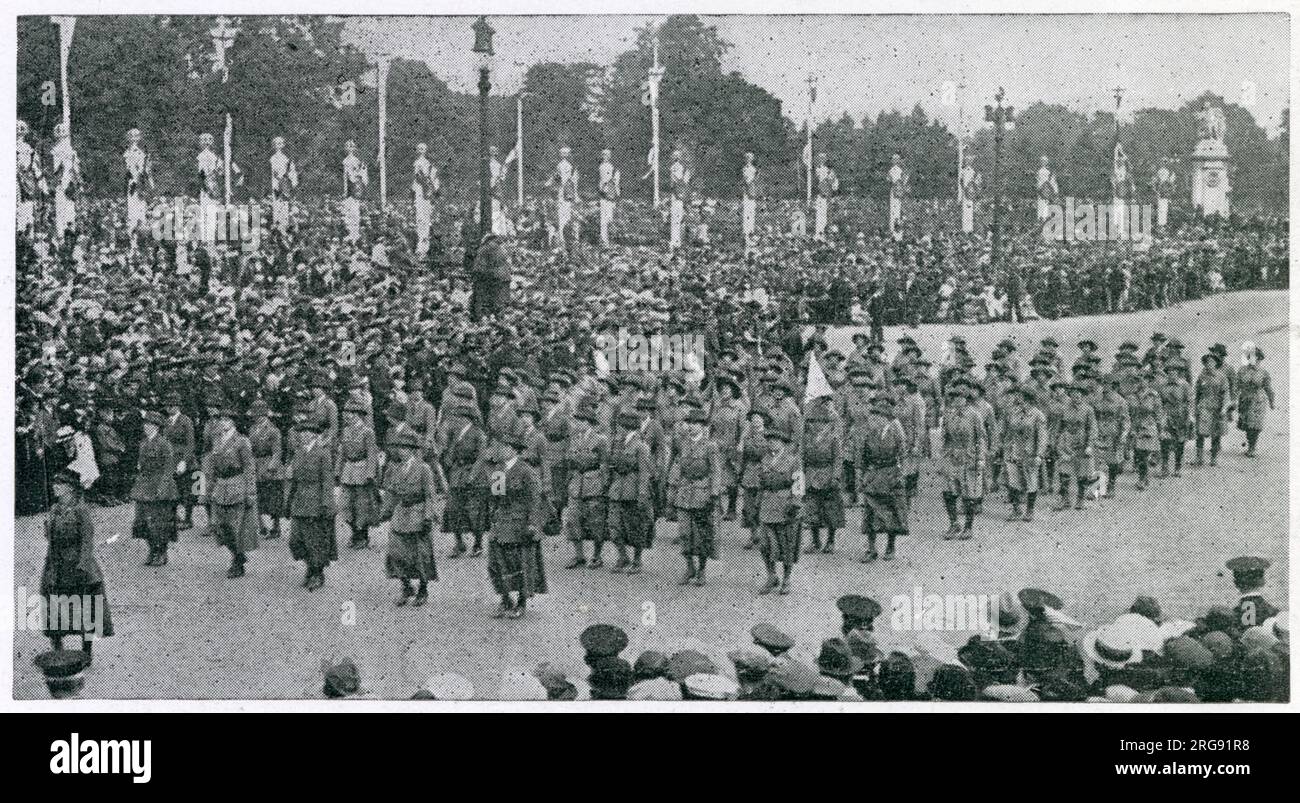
<point x="1210" y="188"/>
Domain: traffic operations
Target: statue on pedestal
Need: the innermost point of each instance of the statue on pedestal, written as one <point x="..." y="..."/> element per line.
<point x="1210" y="189"/>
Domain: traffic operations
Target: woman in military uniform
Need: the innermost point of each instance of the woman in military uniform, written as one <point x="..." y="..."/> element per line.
<point x="1113" y="426"/>
<point x="71" y="571"/>
<point x="462" y="446"/>
<point x="265" y="439"/>
<point x="631" y="477"/>
<point x="155" y="492"/>
<point x="409" y="508"/>
<point x="1253" y="388"/>
<point x="1148" y="425"/>
<point x="1211" y="403"/>
<point x="1076" y="434"/>
<point x="823" y="458"/>
<point x="1176" y="394"/>
<point x="695" y="483"/>
<point x="726" y="420"/>
<point x="1024" y="444"/>
<point x="514" y="548"/>
<point x="753" y="447"/>
<point x="778" y="511"/>
<point x="311" y="504"/>
<point x="230" y="491"/>
<point x="358" y="471"/>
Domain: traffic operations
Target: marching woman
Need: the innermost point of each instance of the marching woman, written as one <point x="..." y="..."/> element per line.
<point x="357" y="470"/>
<point x="230" y="491"/>
<point x="155" y="492"/>
<point x="311" y="504"/>
<point x="1148" y="414"/>
<point x="265" y="441"/>
<point x="778" y="510"/>
<point x="71" y="570"/>
<point x="514" y="548"/>
<point x="1253" y="389"/>
<point x="408" y="506"/>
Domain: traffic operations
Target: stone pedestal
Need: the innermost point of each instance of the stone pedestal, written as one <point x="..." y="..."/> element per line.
<point x="1210" y="190"/>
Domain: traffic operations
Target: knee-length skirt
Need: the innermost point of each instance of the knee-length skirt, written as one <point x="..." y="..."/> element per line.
<point x="885" y="512"/>
<point x="234" y="526"/>
<point x="697" y="532"/>
<point x="359" y="505"/>
<point x="410" y="556"/>
<point x="823" y="507"/>
<point x="466" y="511"/>
<point x="270" y="498"/>
<point x="779" y="543"/>
<point x="313" y="541"/>
<point x="630" y="523"/>
<point x="155" y="522"/>
<point x="516" y="568"/>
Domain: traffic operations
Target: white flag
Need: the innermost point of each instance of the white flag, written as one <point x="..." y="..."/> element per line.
<point x="817" y="384"/>
<point x="510" y="157"/>
<point x="807" y="153"/>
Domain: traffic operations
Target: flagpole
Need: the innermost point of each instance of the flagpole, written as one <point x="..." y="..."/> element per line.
<point x="519" y="147"/>
<point x="384" y="60"/>
<point x="656" y="72"/>
<point x="66" y="26"/>
<point x="812" y="97"/>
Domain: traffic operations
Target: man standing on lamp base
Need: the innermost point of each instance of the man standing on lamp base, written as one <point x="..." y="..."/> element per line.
<point x="67" y="180"/>
<point x="284" y="180"/>
<point x="898" y="181"/>
<point x="609" y="193"/>
<point x="565" y="182"/>
<point x="680" y="178"/>
<point x="31" y="181"/>
<point x="1048" y="191"/>
<point x="827" y="185"/>
<point x="355" y="180"/>
<point x="139" y="176"/>
<point x="425" y="186"/>
<point x="748" y="201"/>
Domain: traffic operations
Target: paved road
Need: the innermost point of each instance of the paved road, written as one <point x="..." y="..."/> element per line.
<point x="187" y="632"/>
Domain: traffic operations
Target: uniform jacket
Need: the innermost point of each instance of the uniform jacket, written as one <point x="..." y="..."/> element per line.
<point x="587" y="460"/>
<point x="776" y="501"/>
<point x="229" y="471"/>
<point x="1024" y="435"/>
<point x="517" y="509"/>
<point x="823" y="456"/>
<point x="461" y="446"/>
<point x="631" y="468"/>
<point x="311" y="491"/>
<point x="964" y="438"/>
<point x="1148" y="415"/>
<point x="408" y="498"/>
<point x="696" y="474"/>
<point x="1076" y="430"/>
<point x="358" y="455"/>
<point x="155" y="479"/>
<point x="880" y="460"/>
<point x="264" y="439"/>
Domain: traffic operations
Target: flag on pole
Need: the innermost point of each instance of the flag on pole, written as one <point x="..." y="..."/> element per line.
<point x="807" y="153"/>
<point x="818" y="387"/>
<point x="510" y="157"/>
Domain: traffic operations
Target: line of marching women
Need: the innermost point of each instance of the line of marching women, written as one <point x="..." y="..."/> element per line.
<point x="760" y="442"/>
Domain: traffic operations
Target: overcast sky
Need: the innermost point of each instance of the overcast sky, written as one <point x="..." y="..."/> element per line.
<point x="874" y="63"/>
